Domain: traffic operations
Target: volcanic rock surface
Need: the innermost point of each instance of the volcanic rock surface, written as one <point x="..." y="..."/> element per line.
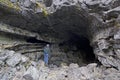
<point x="88" y="28"/>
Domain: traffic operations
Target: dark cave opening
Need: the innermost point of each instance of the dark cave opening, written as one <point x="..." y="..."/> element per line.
<point x="34" y="40"/>
<point x="84" y="45"/>
<point x="77" y="50"/>
<point x="80" y="47"/>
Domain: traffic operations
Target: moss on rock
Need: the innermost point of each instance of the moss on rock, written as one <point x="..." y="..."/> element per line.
<point x="9" y="4"/>
<point x="44" y="10"/>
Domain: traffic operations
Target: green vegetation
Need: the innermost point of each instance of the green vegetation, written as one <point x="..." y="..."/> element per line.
<point x="117" y="24"/>
<point x="9" y="4"/>
<point x="44" y="10"/>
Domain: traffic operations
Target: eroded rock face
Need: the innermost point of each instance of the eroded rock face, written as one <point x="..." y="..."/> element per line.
<point x="106" y="40"/>
<point x="53" y="23"/>
<point x="97" y="20"/>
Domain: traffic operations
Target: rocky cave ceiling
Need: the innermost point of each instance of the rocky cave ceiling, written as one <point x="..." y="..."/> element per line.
<point x="55" y="27"/>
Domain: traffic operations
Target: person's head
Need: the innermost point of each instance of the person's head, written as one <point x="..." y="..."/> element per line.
<point x="47" y="45"/>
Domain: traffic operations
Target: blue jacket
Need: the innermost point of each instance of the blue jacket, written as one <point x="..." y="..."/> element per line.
<point x="46" y="50"/>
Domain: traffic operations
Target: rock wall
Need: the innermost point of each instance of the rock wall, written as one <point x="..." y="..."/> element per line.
<point x="105" y="30"/>
<point x="97" y="20"/>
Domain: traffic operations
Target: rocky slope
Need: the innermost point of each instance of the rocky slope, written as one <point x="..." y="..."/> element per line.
<point x="67" y="22"/>
<point x="16" y="66"/>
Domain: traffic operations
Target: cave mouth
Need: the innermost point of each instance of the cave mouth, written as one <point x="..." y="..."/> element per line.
<point x="78" y="50"/>
<point x="34" y="40"/>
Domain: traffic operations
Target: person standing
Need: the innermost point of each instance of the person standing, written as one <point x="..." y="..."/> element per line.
<point x="46" y="54"/>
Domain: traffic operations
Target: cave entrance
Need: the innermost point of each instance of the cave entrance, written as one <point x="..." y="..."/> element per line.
<point x="78" y="50"/>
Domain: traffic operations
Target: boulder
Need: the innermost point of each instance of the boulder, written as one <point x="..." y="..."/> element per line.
<point x="31" y="74"/>
<point x="14" y="60"/>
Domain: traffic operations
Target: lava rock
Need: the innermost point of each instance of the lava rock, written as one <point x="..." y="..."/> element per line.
<point x="28" y="77"/>
<point x="8" y="73"/>
<point x="74" y="65"/>
<point x="31" y="74"/>
<point x="27" y="3"/>
<point x="24" y="59"/>
<point x="14" y="60"/>
<point x="6" y="54"/>
<point x="14" y="1"/>
<point x="103" y="44"/>
<point x="117" y="35"/>
<point x="2" y="63"/>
